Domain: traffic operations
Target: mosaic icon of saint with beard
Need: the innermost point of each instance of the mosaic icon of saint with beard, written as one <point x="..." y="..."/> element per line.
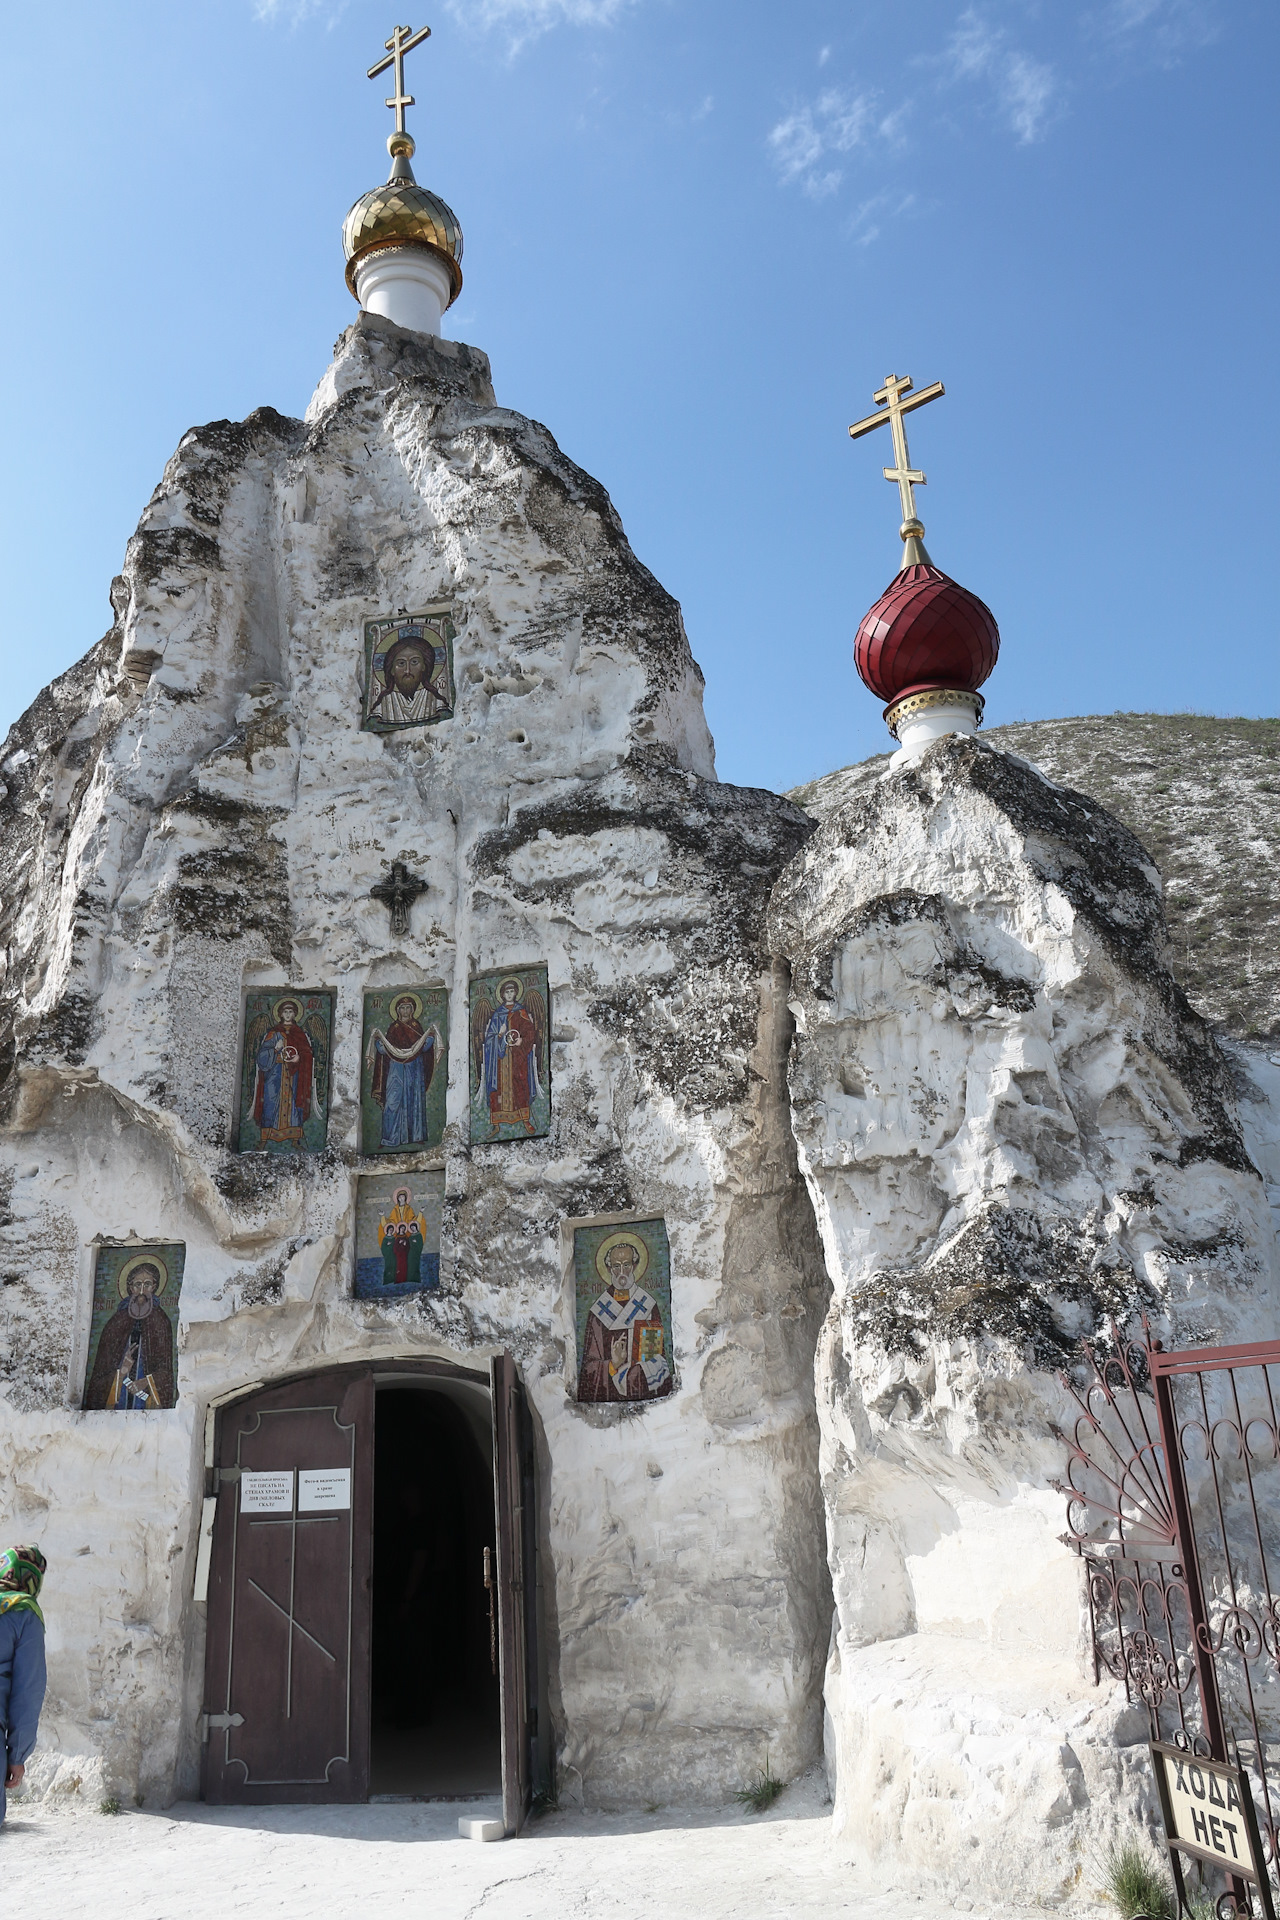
<point x="624" y="1341"/>
<point x="133" y="1368"/>
<point x="408" y="672"/>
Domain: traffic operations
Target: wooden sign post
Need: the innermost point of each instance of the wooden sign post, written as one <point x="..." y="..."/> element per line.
<point x="1208" y="1813"/>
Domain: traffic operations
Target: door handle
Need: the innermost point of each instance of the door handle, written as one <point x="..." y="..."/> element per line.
<point x="493" y="1625"/>
<point x="219" y="1723"/>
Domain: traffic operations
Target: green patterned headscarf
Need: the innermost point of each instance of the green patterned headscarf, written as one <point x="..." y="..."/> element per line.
<point x="21" y="1571"/>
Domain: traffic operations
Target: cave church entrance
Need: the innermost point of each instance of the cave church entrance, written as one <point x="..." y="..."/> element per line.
<point x="292" y="1601"/>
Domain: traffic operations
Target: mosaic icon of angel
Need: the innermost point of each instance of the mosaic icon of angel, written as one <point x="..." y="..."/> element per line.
<point x="285" y="1084"/>
<point x="510" y="1062"/>
<point x="408" y="671"/>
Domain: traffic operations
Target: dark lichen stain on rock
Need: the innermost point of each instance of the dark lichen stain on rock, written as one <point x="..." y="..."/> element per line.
<point x="250" y="1180"/>
<point x="1034" y="1281"/>
<point x="239" y="890"/>
<point x="65" y="1032"/>
<point x="159" y="550"/>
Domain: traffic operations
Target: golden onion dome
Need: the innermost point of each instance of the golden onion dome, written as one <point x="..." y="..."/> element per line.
<point x="402" y="214"/>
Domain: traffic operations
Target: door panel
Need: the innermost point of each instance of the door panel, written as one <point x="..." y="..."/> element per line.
<point x="513" y="1496"/>
<point x="287" y="1687"/>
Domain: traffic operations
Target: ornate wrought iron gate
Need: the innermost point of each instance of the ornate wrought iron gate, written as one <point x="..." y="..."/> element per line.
<point x="1173" y="1501"/>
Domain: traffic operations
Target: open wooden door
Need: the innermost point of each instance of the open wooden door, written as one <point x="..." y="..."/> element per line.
<point x="287" y="1669"/>
<point x="513" y="1479"/>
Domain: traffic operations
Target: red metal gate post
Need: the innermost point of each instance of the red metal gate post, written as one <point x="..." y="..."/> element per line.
<point x="1210" y="1700"/>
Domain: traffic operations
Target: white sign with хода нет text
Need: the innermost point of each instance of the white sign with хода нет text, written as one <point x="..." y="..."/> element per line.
<point x="1206" y="1812"/>
<point x="266" y="1492"/>
<point x="324" y="1489"/>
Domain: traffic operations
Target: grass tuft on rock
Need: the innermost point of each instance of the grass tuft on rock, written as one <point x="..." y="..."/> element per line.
<point x="1137" y="1885"/>
<point x="762" y="1793"/>
<point x="109" y="1806"/>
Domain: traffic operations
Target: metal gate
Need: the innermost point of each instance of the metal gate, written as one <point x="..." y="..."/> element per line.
<point x="1173" y="1501"/>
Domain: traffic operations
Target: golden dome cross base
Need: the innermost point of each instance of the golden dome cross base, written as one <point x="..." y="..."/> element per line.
<point x="403" y="245"/>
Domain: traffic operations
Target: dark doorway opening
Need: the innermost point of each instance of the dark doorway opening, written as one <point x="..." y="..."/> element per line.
<point x="436" y="1729"/>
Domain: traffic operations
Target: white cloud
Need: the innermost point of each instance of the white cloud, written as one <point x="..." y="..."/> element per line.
<point x="294" y="13"/>
<point x="1165" y="29"/>
<point x="804" y="143"/>
<point x="524" y="20"/>
<point x="809" y="144"/>
<point x="973" y="47"/>
<point x="1025" y="88"/>
<point x="866" y="224"/>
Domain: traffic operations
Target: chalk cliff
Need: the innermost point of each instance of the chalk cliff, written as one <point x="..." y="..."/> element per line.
<point x="1015" y="1128"/>
<point x="193" y="811"/>
<point x="903" y="1060"/>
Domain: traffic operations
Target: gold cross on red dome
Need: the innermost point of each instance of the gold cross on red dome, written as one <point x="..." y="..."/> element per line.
<point x="402" y="41"/>
<point x="891" y="407"/>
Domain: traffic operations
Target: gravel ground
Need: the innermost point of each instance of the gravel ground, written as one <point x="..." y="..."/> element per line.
<point x="348" y="1863"/>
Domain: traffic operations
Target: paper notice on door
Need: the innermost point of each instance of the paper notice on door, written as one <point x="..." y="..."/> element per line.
<point x="266" y="1492"/>
<point x="324" y="1489"/>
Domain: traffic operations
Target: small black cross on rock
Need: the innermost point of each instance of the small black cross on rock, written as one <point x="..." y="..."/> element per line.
<point x="399" y="891"/>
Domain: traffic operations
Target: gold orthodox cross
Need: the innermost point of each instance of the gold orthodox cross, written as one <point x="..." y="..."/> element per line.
<point x="893" y="408"/>
<point x="402" y="41"/>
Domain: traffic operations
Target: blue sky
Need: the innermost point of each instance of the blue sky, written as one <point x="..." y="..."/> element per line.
<point x="698" y="235"/>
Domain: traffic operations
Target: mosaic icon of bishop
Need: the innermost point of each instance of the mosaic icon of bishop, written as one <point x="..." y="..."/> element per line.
<point x="408" y="673"/>
<point x="623" y="1334"/>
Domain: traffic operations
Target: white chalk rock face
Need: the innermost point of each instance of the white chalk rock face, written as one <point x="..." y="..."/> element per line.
<point x="1014" y="1128"/>
<point x="194" y="811"/>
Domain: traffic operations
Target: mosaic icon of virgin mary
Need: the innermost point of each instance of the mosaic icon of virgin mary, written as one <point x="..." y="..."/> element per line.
<point x="133" y="1367"/>
<point x="404" y="1048"/>
<point x="624" y="1344"/>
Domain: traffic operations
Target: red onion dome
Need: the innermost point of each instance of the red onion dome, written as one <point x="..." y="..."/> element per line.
<point x="925" y="633"/>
